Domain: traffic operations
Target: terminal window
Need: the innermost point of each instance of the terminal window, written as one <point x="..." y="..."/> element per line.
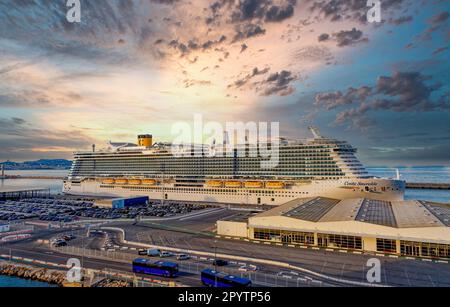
<point x="425" y="249"/>
<point x="385" y="245"/>
<point x="339" y="241"/>
<point x="288" y="237"/>
<point x="267" y="234"/>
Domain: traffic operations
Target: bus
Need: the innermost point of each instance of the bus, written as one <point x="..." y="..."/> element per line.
<point x="160" y="268"/>
<point x="213" y="278"/>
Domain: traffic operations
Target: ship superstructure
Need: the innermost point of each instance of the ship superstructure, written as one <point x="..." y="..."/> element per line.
<point x="314" y="167"/>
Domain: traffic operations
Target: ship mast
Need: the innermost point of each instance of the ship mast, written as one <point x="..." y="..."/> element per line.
<point x="315" y="132"/>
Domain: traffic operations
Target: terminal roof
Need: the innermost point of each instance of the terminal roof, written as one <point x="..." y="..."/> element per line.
<point x="395" y="214"/>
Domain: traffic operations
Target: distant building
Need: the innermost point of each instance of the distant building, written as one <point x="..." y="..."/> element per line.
<point x="405" y="228"/>
<point x="4" y="227"/>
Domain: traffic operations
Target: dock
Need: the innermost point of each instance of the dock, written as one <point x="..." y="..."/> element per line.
<point x="32" y="177"/>
<point x="12" y="193"/>
<point x="428" y="186"/>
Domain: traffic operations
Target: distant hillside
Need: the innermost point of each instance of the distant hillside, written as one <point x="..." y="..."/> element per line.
<point x="39" y="164"/>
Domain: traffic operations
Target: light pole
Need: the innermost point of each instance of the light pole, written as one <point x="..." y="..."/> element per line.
<point x="215" y="262"/>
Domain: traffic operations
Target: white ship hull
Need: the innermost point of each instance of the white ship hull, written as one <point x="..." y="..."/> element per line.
<point x="381" y="189"/>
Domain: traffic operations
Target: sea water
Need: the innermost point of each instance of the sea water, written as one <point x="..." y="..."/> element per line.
<point x="7" y="281"/>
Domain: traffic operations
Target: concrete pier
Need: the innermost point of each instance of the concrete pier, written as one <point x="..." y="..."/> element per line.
<point x="12" y="193"/>
<point x="430" y="186"/>
<point x="32" y="177"/>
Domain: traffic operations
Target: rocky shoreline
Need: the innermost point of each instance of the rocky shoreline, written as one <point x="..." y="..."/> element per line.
<point x="54" y="277"/>
<point x="31" y="273"/>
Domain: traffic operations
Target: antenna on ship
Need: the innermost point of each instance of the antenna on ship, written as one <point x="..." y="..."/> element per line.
<point x="397" y="173"/>
<point x="226" y="140"/>
<point x="315" y="132"/>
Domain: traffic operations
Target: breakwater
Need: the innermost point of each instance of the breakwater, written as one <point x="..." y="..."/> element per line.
<point x="32" y="177"/>
<point x="428" y="186"/>
<point x="38" y="274"/>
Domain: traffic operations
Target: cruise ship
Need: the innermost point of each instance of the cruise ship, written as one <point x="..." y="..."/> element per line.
<point x="318" y="166"/>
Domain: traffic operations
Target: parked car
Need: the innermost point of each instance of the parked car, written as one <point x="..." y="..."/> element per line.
<point x="153" y="252"/>
<point x="166" y="254"/>
<point x="183" y="257"/>
<point x="220" y="262"/>
<point x="142" y="252"/>
<point x="248" y="268"/>
<point x="59" y="243"/>
<point x="68" y="237"/>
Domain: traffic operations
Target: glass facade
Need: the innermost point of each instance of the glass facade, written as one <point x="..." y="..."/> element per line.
<point x="288" y="237"/>
<point x="425" y="249"/>
<point x="339" y="241"/>
<point x="407" y="248"/>
<point x="386" y="245"/>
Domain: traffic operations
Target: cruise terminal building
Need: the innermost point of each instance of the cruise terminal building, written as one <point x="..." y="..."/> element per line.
<point x="403" y="228"/>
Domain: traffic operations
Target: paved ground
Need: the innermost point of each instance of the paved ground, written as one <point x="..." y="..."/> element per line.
<point x="197" y="233"/>
<point x="178" y="233"/>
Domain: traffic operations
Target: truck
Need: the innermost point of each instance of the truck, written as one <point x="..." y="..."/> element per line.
<point x="150" y="252"/>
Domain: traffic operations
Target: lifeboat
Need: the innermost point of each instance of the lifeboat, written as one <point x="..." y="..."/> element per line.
<point x="274" y="185"/>
<point x="233" y="184"/>
<point x="253" y="184"/>
<point x="214" y="183"/>
<point x="121" y="181"/>
<point x="134" y="181"/>
<point x="149" y="181"/>
<point x="108" y="181"/>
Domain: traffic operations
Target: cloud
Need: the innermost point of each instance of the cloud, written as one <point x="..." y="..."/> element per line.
<point x="348" y="38"/>
<point x="354" y="10"/>
<point x="278" y="83"/>
<point x="323" y="37"/>
<point x="401" y="20"/>
<point x="248" y="31"/>
<point x="247" y="10"/>
<point x="437" y="23"/>
<point x="243" y="81"/>
<point x="21" y="139"/>
<point x="440" y="50"/>
<point x="194" y="45"/>
<point x="191" y="82"/>
<point x="401" y="92"/>
<point x="277" y="13"/>
<point x="332" y="100"/>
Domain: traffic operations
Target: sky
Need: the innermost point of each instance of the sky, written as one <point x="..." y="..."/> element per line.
<point x="132" y="67"/>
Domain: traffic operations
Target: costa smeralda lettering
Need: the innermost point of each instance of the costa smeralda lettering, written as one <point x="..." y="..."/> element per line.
<point x="350" y="183"/>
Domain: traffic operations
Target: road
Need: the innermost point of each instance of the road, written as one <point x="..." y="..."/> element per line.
<point x="44" y="254"/>
<point x="179" y="234"/>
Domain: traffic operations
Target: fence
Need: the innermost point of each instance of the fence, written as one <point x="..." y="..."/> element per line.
<point x="287" y="279"/>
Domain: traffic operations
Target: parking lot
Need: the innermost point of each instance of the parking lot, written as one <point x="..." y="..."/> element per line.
<point x="68" y="210"/>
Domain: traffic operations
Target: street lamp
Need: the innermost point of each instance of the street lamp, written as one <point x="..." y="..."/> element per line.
<point x="215" y="262"/>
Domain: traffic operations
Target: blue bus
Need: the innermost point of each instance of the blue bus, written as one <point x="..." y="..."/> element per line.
<point x="213" y="278"/>
<point x="160" y="268"/>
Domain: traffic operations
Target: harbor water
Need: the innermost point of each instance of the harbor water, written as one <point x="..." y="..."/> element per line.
<point x="431" y="174"/>
<point x="11" y="282"/>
